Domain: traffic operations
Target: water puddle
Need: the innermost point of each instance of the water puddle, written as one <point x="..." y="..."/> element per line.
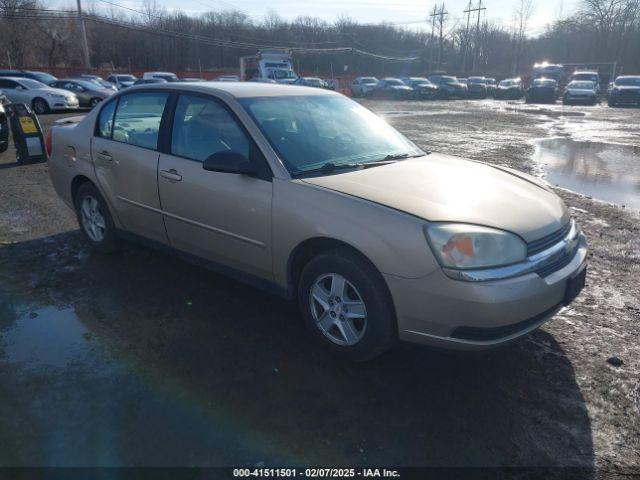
<point x="604" y="171"/>
<point x="46" y="338"/>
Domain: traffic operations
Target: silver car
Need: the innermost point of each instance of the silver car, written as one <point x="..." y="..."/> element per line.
<point x="307" y="194"/>
<point x="89" y="93"/>
<point x="38" y="96"/>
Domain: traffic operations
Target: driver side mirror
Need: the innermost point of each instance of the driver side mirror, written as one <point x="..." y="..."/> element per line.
<point x="230" y="162"/>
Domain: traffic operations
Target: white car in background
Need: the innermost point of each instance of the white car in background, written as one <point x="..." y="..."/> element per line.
<point x="40" y="97"/>
<point x="166" y="76"/>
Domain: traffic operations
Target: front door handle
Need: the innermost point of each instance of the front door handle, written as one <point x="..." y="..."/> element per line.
<point x="104" y="155"/>
<point x="171" y="175"/>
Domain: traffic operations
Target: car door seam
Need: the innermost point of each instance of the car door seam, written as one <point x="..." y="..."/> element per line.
<point x="235" y="236"/>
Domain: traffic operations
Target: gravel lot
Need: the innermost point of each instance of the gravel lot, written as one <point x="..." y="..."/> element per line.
<point x="140" y="359"/>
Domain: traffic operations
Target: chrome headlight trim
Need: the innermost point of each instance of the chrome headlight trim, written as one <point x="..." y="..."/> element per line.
<point x="568" y="246"/>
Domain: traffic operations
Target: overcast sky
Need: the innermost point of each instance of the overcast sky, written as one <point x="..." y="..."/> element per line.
<point x="363" y="11"/>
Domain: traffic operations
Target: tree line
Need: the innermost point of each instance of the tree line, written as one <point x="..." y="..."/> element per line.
<point x="32" y="34"/>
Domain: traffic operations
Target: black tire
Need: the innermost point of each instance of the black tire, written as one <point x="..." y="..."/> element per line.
<point x="108" y="243"/>
<point x="40" y="106"/>
<point x="380" y="332"/>
<point x="94" y="102"/>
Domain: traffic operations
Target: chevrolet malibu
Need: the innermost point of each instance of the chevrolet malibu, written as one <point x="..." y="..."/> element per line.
<point x="307" y="194"/>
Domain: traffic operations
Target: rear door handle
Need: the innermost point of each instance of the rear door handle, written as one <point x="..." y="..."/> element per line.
<point x="171" y="175"/>
<point x="104" y="155"/>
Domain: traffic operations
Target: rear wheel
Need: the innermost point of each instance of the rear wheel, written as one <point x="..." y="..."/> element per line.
<point x="94" y="218"/>
<point x="40" y="106"/>
<point x="346" y="306"/>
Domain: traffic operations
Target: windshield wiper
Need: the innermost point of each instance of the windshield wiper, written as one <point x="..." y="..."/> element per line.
<point x="327" y="168"/>
<point x="401" y="156"/>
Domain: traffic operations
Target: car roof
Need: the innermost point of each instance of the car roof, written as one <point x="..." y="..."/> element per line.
<point x="239" y="89"/>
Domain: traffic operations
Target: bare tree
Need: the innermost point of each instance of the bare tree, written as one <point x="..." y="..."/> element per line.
<point x="523" y="11"/>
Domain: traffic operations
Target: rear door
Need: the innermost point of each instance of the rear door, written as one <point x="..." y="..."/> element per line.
<point x="125" y="154"/>
<point x="13" y="93"/>
<point x="223" y="217"/>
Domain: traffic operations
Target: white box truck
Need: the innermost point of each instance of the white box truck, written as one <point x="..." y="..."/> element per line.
<point x="267" y="65"/>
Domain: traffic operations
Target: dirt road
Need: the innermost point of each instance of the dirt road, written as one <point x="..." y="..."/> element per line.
<point x="139" y="359"/>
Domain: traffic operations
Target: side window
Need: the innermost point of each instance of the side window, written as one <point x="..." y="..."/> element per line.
<point x="137" y="119"/>
<point x="202" y="127"/>
<point x="105" y="120"/>
<point x="10" y="84"/>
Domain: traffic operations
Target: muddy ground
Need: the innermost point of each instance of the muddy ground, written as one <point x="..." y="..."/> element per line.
<point x="140" y="359"/>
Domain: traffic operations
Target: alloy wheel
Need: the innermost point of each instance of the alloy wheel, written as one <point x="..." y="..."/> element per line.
<point x="338" y="309"/>
<point x="93" y="220"/>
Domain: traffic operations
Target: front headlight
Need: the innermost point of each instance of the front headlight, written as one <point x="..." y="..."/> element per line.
<point x="462" y="246"/>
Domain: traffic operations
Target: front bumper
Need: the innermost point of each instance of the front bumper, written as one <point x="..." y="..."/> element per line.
<point x="64" y="104"/>
<point x="474" y="315"/>
<point x="580" y="99"/>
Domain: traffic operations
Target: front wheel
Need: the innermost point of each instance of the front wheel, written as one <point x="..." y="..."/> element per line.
<point x="346" y="305"/>
<point x="40" y="106"/>
<point x="94" y="218"/>
<point x="94" y="102"/>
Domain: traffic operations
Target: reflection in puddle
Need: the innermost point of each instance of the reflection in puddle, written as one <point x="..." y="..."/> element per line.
<point x="601" y="170"/>
<point x="77" y="400"/>
<point x="48" y="338"/>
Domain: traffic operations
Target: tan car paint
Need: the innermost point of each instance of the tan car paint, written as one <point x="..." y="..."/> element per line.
<point x="379" y="211"/>
<point x="442" y="188"/>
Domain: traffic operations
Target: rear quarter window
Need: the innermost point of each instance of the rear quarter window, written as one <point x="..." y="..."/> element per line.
<point x="104" y="127"/>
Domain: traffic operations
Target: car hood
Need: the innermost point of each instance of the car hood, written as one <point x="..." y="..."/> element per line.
<point x="399" y="87"/>
<point x="444" y="188"/>
<point x="627" y="88"/>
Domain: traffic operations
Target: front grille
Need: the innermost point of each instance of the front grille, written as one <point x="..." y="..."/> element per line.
<point x="495" y="333"/>
<point x="542" y="244"/>
<point x="558" y="264"/>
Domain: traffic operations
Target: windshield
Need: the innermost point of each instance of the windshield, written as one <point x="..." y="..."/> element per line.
<point x="282" y="74"/>
<point x="44" y="77"/>
<point x="449" y="80"/>
<point x="168" y="77"/>
<point x="87" y="84"/>
<point x="394" y="82"/>
<point x="582" y="85"/>
<point x="544" y="83"/>
<point x="313" y="81"/>
<point x="477" y="80"/>
<point x="308" y="132"/>
<point x="29" y="83"/>
<point x="126" y="78"/>
<point x="586" y="76"/>
<point x="628" y="82"/>
<point x="508" y="83"/>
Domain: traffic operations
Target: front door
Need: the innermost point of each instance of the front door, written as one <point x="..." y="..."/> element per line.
<point x="223" y="217"/>
<point x="125" y="155"/>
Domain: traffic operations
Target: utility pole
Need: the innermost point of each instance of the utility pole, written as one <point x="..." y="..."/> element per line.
<point x="83" y="37"/>
<point x="476" y="52"/>
<point x="441" y="15"/>
<point x="465" y="45"/>
<point x="433" y="30"/>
